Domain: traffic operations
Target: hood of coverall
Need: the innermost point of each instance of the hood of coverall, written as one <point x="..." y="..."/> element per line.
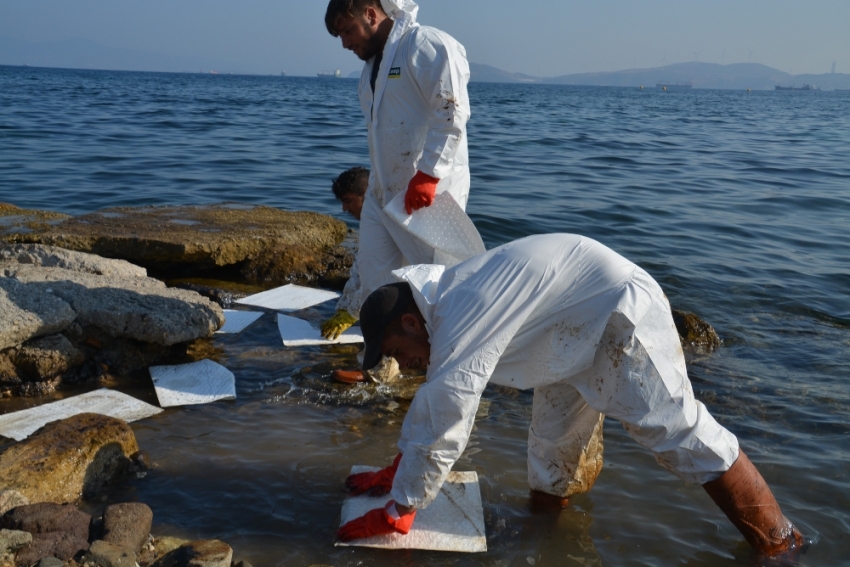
<point x="396" y="8"/>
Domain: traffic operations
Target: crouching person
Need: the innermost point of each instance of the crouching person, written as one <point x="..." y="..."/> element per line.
<point x="592" y="333"/>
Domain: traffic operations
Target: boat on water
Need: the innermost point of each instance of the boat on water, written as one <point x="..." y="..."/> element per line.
<point x="332" y="74"/>
<point x="674" y="86"/>
<point x="806" y="87"/>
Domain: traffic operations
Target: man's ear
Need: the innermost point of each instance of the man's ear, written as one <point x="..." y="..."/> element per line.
<point x="410" y="323"/>
<point x="371" y="16"/>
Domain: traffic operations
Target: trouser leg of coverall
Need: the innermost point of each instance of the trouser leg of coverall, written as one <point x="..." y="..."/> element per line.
<point x="638" y="377"/>
<point x="564" y="441"/>
<point x="385" y="246"/>
<point x="378" y="254"/>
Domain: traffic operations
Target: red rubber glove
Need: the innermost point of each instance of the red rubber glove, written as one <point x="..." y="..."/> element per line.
<point x="420" y="192"/>
<point x="374" y="523"/>
<point x="375" y="483"/>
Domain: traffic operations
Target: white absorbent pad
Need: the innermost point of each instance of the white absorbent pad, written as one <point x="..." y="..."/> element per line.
<point x="236" y="321"/>
<point x="453" y="522"/>
<point x="199" y="382"/>
<point x="298" y="332"/>
<point x="443" y="226"/>
<point x="290" y="297"/>
<point x="19" y="425"/>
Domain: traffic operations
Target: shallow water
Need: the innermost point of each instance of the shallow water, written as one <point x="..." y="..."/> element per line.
<point x="737" y="203"/>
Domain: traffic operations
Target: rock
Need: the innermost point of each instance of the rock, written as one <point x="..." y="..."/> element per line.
<point x="279" y="265"/>
<point x="164" y="545"/>
<point x="141" y="461"/>
<point x="46" y="358"/>
<point x="106" y="554"/>
<point x="61" y="545"/>
<point x="201" y="553"/>
<point x="694" y="333"/>
<point x="242" y="563"/>
<point x="205" y="236"/>
<point x="26" y="312"/>
<point x="55" y="257"/>
<point x="16" y="222"/>
<point x="11" y="499"/>
<point x="13" y="540"/>
<point x="127" y="524"/>
<point x="141" y="309"/>
<point x="48" y="517"/>
<point x="68" y="458"/>
<point x="50" y="562"/>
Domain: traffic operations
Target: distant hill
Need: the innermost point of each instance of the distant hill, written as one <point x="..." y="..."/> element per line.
<point x="700" y="75"/>
<point x="487" y="74"/>
<point x="83" y="54"/>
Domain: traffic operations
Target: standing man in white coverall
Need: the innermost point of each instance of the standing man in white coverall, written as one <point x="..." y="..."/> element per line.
<point x="593" y="334"/>
<point x="413" y="96"/>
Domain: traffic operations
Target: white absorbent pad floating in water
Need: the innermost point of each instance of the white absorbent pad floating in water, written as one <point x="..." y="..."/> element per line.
<point x="298" y="332"/>
<point x="236" y="321"/>
<point x="442" y="226"/>
<point x="290" y="297"/>
<point x="200" y="382"/>
<point x="19" y="425"/>
<point x="453" y="522"/>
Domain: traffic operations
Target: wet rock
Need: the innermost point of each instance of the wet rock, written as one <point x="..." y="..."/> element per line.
<point x="279" y="265"/>
<point x="205" y="236"/>
<point x="60" y="545"/>
<point x="13" y="540"/>
<point x="160" y="547"/>
<point x="11" y="499"/>
<point x="141" y="461"/>
<point x="201" y="553"/>
<point x="46" y="358"/>
<point x="48" y="517"/>
<point x="106" y="554"/>
<point x="68" y="458"/>
<point x="694" y="333"/>
<point x="55" y="257"/>
<point x="127" y="524"/>
<point x="26" y="313"/>
<point x="16" y="222"/>
<point x="142" y="309"/>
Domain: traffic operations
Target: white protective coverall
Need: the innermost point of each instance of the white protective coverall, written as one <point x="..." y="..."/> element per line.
<point x="416" y="120"/>
<point x="590" y="331"/>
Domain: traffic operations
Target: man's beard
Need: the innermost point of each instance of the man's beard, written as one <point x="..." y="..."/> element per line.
<point x="373" y="47"/>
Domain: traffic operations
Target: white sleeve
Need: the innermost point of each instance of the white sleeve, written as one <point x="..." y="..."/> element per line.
<point x="442" y="73"/>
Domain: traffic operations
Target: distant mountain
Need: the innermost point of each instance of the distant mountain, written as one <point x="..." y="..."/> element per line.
<point x="84" y="54"/>
<point x="480" y="73"/>
<point x="700" y="75"/>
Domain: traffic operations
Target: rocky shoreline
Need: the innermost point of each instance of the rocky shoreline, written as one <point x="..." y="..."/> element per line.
<point x="77" y="304"/>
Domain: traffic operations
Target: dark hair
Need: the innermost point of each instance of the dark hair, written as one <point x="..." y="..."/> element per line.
<point x="354" y="180"/>
<point x="339" y="8"/>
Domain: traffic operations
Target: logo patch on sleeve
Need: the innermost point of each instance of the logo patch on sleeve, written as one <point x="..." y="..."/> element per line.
<point x="395" y="73"/>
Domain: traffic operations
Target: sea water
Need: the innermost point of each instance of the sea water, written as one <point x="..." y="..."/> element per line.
<point x="737" y="203"/>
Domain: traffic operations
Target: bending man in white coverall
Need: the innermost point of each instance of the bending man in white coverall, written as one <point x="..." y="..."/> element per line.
<point x="592" y="333"/>
<point x="413" y="96"/>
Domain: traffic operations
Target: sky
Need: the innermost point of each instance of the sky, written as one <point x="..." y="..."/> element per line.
<point x="544" y="38"/>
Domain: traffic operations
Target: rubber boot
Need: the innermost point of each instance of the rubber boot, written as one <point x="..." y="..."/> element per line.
<point x="747" y="501"/>
<point x="542" y="502"/>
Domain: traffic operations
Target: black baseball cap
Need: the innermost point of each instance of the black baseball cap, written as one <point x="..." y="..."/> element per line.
<point x="383" y="306"/>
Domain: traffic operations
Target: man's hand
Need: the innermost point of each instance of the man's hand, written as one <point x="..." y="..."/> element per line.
<point x="333" y="327"/>
<point x="420" y="192"/>
<point x="376" y="522"/>
<point x="375" y="483"/>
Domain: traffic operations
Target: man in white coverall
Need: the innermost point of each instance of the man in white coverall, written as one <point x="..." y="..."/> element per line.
<point x="413" y="96"/>
<point x="593" y="334"/>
